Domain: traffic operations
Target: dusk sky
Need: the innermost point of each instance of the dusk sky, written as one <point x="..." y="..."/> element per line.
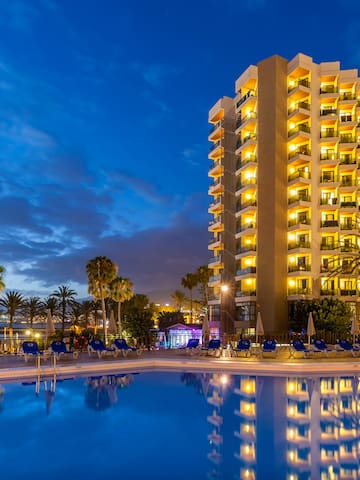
<point x="103" y="126"/>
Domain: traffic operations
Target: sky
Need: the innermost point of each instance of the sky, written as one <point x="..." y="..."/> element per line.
<point x="104" y="124"/>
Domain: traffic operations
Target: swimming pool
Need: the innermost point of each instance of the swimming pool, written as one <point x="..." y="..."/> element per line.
<point x="182" y="425"/>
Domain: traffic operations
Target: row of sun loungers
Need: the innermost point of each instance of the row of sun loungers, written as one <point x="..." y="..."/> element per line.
<point x="96" y="347"/>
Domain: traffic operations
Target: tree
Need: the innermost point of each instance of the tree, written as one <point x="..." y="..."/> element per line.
<point x="137" y="316"/>
<point x="12" y="301"/>
<point x="2" y="283"/>
<point x="51" y="303"/>
<point x="178" y="298"/>
<point x="101" y="271"/>
<point x="121" y="289"/>
<point x="190" y="281"/>
<point x="203" y="274"/>
<point x="65" y="295"/>
<point x="87" y="308"/>
<point x="33" y="307"/>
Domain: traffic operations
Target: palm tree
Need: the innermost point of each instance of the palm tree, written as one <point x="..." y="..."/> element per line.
<point x="101" y="271"/>
<point x="121" y="289"/>
<point x="203" y="274"/>
<point x="65" y="296"/>
<point x="190" y="281"/>
<point x="179" y="298"/>
<point x="52" y="304"/>
<point x="33" y="307"/>
<point x="12" y="301"/>
<point x="86" y="311"/>
<point x="2" y="284"/>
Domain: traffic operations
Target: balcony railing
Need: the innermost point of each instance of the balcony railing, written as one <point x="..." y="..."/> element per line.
<point x="348" y="182"/>
<point x="299" y="291"/>
<point x="250" y="93"/>
<point x="246" y="182"/>
<point x="215" y="221"/>
<point x="214" y="127"/>
<point x="347" y="96"/>
<point x="328" y="246"/>
<point x="215" y="165"/>
<point x="293" y="245"/>
<point x="246" y="293"/>
<point x="348" y="138"/>
<point x="214" y="240"/>
<point x="327" y="178"/>
<point x="246" y="271"/>
<point x="348" y="204"/>
<point x="328" y="89"/>
<point x="215" y="145"/>
<point x="249" y="203"/>
<point x="299" y="268"/>
<point x="302" y="81"/>
<point x="347" y="160"/>
<point x="299" y="151"/>
<point x="328" y="155"/>
<point x="299" y="221"/>
<point x="347" y="118"/>
<point x="329" y="223"/>
<point x="245" y="226"/>
<point x="348" y="226"/>
<point x="329" y="292"/>
<point x="247" y="248"/>
<point x="216" y="259"/>
<point x="216" y="183"/>
<point x="242" y="120"/>
<point x="299" y="198"/>
<point x="250" y="136"/>
<point x="299" y="128"/>
<point x="329" y="133"/>
<point x="347" y="292"/>
<point x="303" y="105"/>
<point x="299" y="174"/>
<point x="328" y="111"/>
<point x="215" y="278"/>
<point x="328" y="201"/>
<point x="241" y="162"/>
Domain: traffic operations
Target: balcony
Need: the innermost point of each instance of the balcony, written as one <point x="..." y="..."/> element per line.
<point x="345" y="96"/>
<point x="347" y="118"/>
<point x="299" y="221"/>
<point x="251" y="158"/>
<point x="348" y="182"/>
<point x="347" y="138"/>
<point x="216" y="224"/>
<point x="299" y="198"/>
<point x="216" y="169"/>
<point x="304" y="150"/>
<point x="214" y="241"/>
<point x="247" y="138"/>
<point x="216" y="206"/>
<point x="347" y="160"/>
<point x="298" y="129"/>
<point x="251" y="247"/>
<point x="246" y="293"/>
<point x="326" y="201"/>
<point x="329" y="292"/>
<point x="299" y="291"/>
<point x="329" y="223"/>
<point x="244" y="98"/>
<point x="348" y="226"/>
<point x="347" y="204"/>
<point x="329" y="133"/>
<point x="245" y="227"/>
<point x="245" y="183"/>
<point x="299" y="268"/>
<point x="328" y="111"/>
<point x="329" y="246"/>
<point x="329" y="90"/>
<point x="298" y="244"/>
<point x="246" y="271"/>
<point x="216" y="187"/>
<point x="249" y="203"/>
<point x="299" y="174"/>
<point x="243" y="120"/>
<point x="302" y="82"/>
<point x="329" y="177"/>
<point x="216" y="259"/>
<point x="348" y="292"/>
<point x="298" y="106"/>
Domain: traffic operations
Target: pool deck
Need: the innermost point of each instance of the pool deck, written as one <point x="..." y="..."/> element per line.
<point x="13" y="367"/>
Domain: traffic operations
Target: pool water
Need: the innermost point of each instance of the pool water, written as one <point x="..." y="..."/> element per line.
<point x="162" y="426"/>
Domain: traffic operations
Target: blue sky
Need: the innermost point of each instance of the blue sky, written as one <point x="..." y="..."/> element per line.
<point x="103" y="126"/>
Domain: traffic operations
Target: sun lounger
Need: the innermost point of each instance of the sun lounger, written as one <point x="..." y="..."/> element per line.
<point x="321" y="346"/>
<point x="192" y="346"/>
<point x="59" y="349"/>
<point x="214" y="348"/>
<point x="121" y="345"/>
<point x="98" y="348"/>
<point x="31" y="349"/>
<point x="243" y="346"/>
<point x="269" y="347"/>
<point x="346" y="346"/>
<point x="299" y="346"/>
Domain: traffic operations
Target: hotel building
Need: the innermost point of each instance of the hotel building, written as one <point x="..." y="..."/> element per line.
<point x="284" y="191"/>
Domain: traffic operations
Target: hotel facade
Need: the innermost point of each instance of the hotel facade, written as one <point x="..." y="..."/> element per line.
<point x="284" y="186"/>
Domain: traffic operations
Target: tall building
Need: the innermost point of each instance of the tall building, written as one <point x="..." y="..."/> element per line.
<point x="284" y="191"/>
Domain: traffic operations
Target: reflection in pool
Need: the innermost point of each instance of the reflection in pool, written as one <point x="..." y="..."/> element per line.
<point x="181" y="426"/>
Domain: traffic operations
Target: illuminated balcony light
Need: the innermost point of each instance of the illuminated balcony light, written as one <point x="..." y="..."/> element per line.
<point x="291" y="455"/>
<point x="292" y="170"/>
<point x="224" y="379"/>
<point x="291" y="409"/>
<point x="292" y="260"/>
<point x="248" y="281"/>
<point x="292" y="125"/>
<point x="247" y="407"/>
<point x="248" y="242"/>
<point x="247" y="449"/>
<point x="248" y="155"/>
<point x="291" y="385"/>
<point x="247" y="428"/>
<point x="291" y="83"/>
<point x="248" y="387"/>
<point x="291" y="283"/>
<point x="292" y="147"/>
<point x="291" y="236"/>
<point x="293" y="192"/>
<point x="248" y="196"/>
<point x="291" y="433"/>
<point x="248" y="261"/>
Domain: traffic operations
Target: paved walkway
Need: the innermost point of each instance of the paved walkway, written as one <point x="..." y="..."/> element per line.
<point x="14" y="367"/>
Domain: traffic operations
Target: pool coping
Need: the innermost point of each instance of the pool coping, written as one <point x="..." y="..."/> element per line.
<point x="236" y="366"/>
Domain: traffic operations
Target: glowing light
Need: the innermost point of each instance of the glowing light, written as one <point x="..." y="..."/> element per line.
<point x="247" y="449"/>
<point x="291" y="455"/>
<point x="291" y="236"/>
<point x="292" y="148"/>
<point x="247" y="407"/>
<point x="291" y="83"/>
<point x="27" y="332"/>
<point x="247" y="428"/>
<point x="224" y="288"/>
<point x="291" y="411"/>
<point x="291" y="433"/>
<point x="291" y="283"/>
<point x="37" y="335"/>
<point x="292" y="125"/>
<point x="291" y="387"/>
<point x="248" y="387"/>
<point x="224" y="379"/>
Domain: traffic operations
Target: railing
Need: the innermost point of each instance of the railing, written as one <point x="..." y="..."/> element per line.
<point x="215" y="165"/>
<point x="242" y="162"/>
<point x="216" y="183"/>
<point x="327" y="291"/>
<point x="327" y="178"/>
<point x="215" y="221"/>
<point x="347" y="118"/>
<point x="299" y="174"/>
<point x="250" y="93"/>
<point x="299" y="221"/>
<point x="328" y="246"/>
<point x="348" y="292"/>
<point x="246" y="182"/>
<point x="298" y="198"/>
<point x="214" y="240"/>
<point x="328" y="156"/>
<point x="299" y="268"/>
<point x="302" y="81"/>
<point x="328" y="201"/>
<point x="303" y="105"/>
<point x="347" y="96"/>
<point x="216" y="259"/>
<point x="244" y="119"/>
<point x="215" y="204"/>
<point x="250" y="203"/>
<point x="348" y="204"/>
<point x="293" y="245"/>
<point x="348" y="138"/>
<point x="245" y="226"/>
<point x="329" y="223"/>
<point x="245" y="293"/>
<point x="299" y="151"/>
<point x="299" y="128"/>
<point x="329" y="133"/>
<point x="329" y="89"/>
<point x="215" y="145"/>
<point x="250" y="136"/>
<point x="246" y="271"/>
<point x="345" y="182"/>
<point x="247" y="248"/>
<point x="328" y="111"/>
<point x="299" y="291"/>
<point x="215" y="278"/>
<point x="216" y="126"/>
<point x="347" y="160"/>
<point x="347" y="226"/>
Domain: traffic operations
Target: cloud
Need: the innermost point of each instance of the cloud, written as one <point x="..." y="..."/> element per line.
<point x="156" y="74"/>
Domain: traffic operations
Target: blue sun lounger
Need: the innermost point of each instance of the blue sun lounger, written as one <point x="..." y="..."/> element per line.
<point x="269" y="346"/>
<point x="121" y="345"/>
<point x="346" y="346"/>
<point x="298" y="346"/>
<point x="31" y="349"/>
<point x="192" y="346"/>
<point x="214" y="348"/>
<point x="59" y="349"/>
<point x="243" y="346"/>
<point x="97" y="346"/>
<point x="322" y="347"/>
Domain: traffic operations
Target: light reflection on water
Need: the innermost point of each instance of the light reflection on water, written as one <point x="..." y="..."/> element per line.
<point x="181" y="425"/>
